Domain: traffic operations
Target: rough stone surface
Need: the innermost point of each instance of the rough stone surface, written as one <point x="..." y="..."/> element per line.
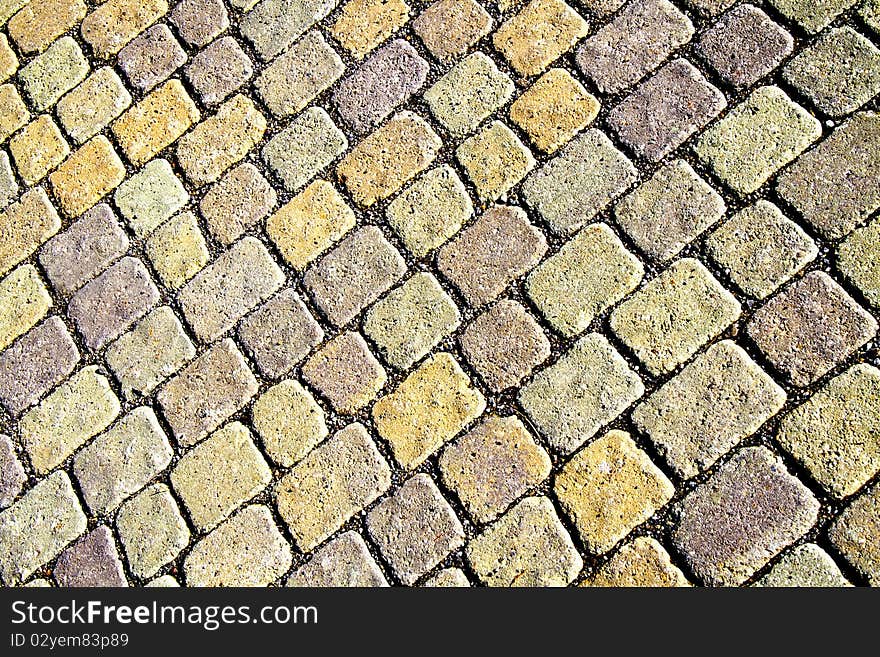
<point x="589" y="274"/>
<point x="495" y="160"/>
<point x="149" y="59"/>
<point x="415" y="528"/>
<point x="589" y="386"/>
<point x="609" y="488"/>
<point x="807" y="565"/>
<point x="150" y="197"/>
<point x="493" y="465"/>
<point x="854" y="534"/>
<point x="346" y="372"/>
<point x="716" y="401"/>
<point x="239" y="200"/>
<point x="344" y="561"/>
<point x="858" y="258"/>
<point x="450" y="27"/>
<point x="290" y="422"/>
<point x="12" y="474"/>
<point x="746" y="513"/>
<point x="24" y="301"/>
<point x="219" y="70"/>
<point x="333" y="483"/>
<point x="642" y="563"/>
<point x="427" y="409"/>
<point x="486" y="257"/>
<point x="809" y="327"/>
<point x="25" y="225"/>
<point x="675" y="314"/>
<point x="527" y="546"/>
<point x="93" y="561"/>
<point x="364" y="24"/>
<point x="151" y="530"/>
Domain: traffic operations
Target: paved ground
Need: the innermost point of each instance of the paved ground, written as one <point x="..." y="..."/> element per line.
<point x="439" y="293"/>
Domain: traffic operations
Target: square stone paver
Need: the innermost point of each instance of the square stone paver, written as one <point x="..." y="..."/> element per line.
<point x="344" y="561"/>
<point x="310" y="223"/>
<point x="150" y="197"/>
<point x="152" y="351"/>
<point x="55" y="72"/>
<point x="364" y="24"/>
<point x="231" y="286"/>
<point x="87" y="176"/>
<point x="465" y="96"/>
<point x="858" y="258"/>
<point x="220" y="474"/>
<point x="113" y="24"/>
<point x="106" y="307"/>
<point x="609" y="488"/>
<point x="272" y="25"/>
<point x="78" y="409"/>
<point x="199" y="21"/>
<point x="92" y="561"/>
<point x="38" y="526"/>
<point x="388" y="158"/>
<point x="713" y="403"/>
<point x="536" y="36"/>
<point x="415" y="528"/>
<point x="669" y="210"/>
<point x="36" y="363"/>
<point x="809" y="327"/>
<point x="504" y="344"/>
<point x="427" y="409"/>
<point x="527" y="546"/>
<point x="24" y="301"/>
<point x="377" y="87"/>
<point x="833" y="186"/>
<point x="665" y="110"/>
<point x="295" y="78"/>
<point x="151" y="57"/>
<point x="448" y="28"/>
<point x="493" y="465"/>
<point x="25" y="225"/>
<point x="241" y="199"/>
<point x="495" y="250"/>
<point x="812" y="16"/>
<point x="589" y="386"/>
<point x="430" y="210"/>
<point x="345" y="371"/>
<point x="579" y="182"/>
<point x="332" y="484"/>
<point x="204" y="394"/>
<point x="495" y="160"/>
<point x="675" y="314"/>
<point x="39" y="23"/>
<point x="760" y="249"/>
<point x="589" y="274"/>
<point x="151" y="530"/>
<point x="839" y="72"/>
<point x="219" y="70"/>
<point x="745" y="514"/>
<point x="89" y="108"/>
<point x="836" y="433"/>
<point x="641" y="563"/>
<point x="289" y="421"/>
<point x="13" y="112"/>
<point x="38" y="149"/>
<point x="122" y="460"/>
<point x="246" y="550"/>
<point x="304" y="148"/>
<point x="177" y="250"/>
<point x="806" y="565"/>
<point x="411" y="320"/>
<point x="280" y="333"/>
<point x="633" y="44"/>
<point x="757" y="138"/>
<point x="744" y="45"/>
<point x="855" y="534"/>
<point x="354" y="274"/>
<point x="554" y="109"/>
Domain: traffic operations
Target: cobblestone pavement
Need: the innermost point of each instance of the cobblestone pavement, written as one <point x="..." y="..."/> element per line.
<point x="448" y="293"/>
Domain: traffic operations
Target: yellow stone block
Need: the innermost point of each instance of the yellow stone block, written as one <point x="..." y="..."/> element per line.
<point x="42" y="21"/>
<point x="13" y="112"/>
<point x="221" y="140"/>
<point x="642" y="563"/>
<point x="8" y="60"/>
<point x="116" y="22"/>
<point x="310" y="223"/>
<point x="429" y="408"/>
<point x="87" y="176"/>
<point x="609" y="488"/>
<point x="384" y="161"/>
<point x="177" y="250"/>
<point x="364" y="24"/>
<point x="290" y="422"/>
<point x="156" y="122"/>
<point x="495" y="160"/>
<point x="78" y="409"/>
<point x="38" y="149"/>
<point x="554" y="109"/>
<point x="539" y="34"/>
<point x="24" y="301"/>
<point x="24" y="226"/>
